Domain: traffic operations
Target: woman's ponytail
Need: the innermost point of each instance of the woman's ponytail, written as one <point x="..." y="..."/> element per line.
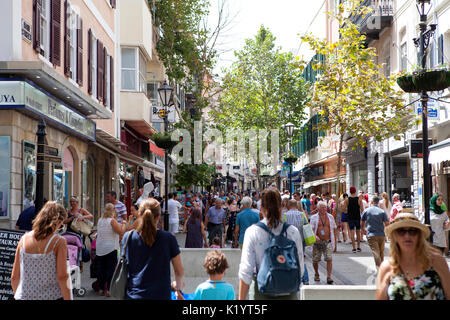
<point x="149" y="212"/>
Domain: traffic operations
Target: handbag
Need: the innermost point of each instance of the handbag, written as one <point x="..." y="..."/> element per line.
<point x="120" y="276"/>
<point x="82" y="226"/>
<point x="308" y="234"/>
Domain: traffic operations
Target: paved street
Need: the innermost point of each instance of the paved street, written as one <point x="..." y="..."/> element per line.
<point x="348" y="268"/>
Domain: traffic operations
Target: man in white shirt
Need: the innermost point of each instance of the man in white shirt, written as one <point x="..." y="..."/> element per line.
<point x="173" y="207"/>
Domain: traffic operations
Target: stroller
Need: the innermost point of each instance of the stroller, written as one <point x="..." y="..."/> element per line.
<point x="74" y="250"/>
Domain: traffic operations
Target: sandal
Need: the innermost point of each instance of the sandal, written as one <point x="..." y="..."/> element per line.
<point x="329" y="281"/>
<point x="358" y="249"/>
<point x="354" y="250"/>
<point x="317" y="278"/>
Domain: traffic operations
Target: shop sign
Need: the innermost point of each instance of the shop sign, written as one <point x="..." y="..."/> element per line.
<point x="8" y="245"/>
<point x="21" y="94"/>
<point x="415" y="148"/>
<point x="26" y="31"/>
<point x="158" y="114"/>
<point x="433" y="111"/>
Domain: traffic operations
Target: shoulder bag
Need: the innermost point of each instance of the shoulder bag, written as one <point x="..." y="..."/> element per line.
<point x="82" y="226"/>
<point x="120" y="276"/>
<point x="308" y="233"/>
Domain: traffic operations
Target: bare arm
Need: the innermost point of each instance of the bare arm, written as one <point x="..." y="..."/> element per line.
<point x="243" y="290"/>
<point x="61" y="268"/>
<point x="441" y="267"/>
<point x="117" y="227"/>
<point x="179" y="272"/>
<point x="383" y="281"/>
<point x="205" y="242"/>
<point x="15" y="275"/>
<point x="236" y="233"/>
<point x="185" y="227"/>
<point x="86" y="214"/>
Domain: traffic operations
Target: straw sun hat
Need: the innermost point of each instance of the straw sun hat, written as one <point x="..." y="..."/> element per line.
<point x="405" y="220"/>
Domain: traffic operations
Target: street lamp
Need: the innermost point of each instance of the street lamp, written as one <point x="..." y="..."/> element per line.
<point x="422" y="42"/>
<point x="289" y="127"/>
<point x="165" y="94"/>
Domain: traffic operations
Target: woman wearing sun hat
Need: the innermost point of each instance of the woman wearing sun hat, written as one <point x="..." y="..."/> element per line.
<point x="438" y="221"/>
<point x="415" y="270"/>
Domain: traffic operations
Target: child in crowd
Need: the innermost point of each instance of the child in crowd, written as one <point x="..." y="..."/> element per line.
<point x="215" y="288"/>
<point x="216" y="243"/>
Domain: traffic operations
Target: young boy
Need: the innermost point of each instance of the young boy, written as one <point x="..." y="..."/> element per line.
<point x="215" y="288"/>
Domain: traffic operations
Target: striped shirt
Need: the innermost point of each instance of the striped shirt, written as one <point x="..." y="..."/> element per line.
<point x="297" y="219"/>
<point x="121" y="211"/>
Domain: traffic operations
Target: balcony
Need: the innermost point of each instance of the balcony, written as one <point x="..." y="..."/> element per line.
<point x="375" y="22"/>
<point x="135" y="110"/>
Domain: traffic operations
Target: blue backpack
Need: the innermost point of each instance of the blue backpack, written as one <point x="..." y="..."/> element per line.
<point x="279" y="273"/>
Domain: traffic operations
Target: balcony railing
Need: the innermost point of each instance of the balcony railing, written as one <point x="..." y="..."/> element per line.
<point x="376" y="21"/>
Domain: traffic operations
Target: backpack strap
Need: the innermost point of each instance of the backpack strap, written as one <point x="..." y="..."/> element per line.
<point x="285" y="227"/>
<point x="263" y="226"/>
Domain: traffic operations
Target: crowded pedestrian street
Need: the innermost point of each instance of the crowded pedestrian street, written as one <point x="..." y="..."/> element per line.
<point x="224" y="150"/>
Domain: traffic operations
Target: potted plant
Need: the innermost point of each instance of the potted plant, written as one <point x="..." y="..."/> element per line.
<point x="405" y="82"/>
<point x="164" y="140"/>
<point x="432" y="80"/>
<point x="290" y="157"/>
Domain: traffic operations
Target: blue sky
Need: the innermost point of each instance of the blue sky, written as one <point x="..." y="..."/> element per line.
<point x="285" y="18"/>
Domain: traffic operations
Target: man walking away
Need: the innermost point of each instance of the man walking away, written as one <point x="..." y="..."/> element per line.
<point x="375" y="219"/>
<point x="244" y="219"/>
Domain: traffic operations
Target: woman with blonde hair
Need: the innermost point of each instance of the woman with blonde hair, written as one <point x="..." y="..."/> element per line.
<point x="415" y="270"/>
<point x="149" y="253"/>
<point x="40" y="265"/>
<point x="108" y="233"/>
<point x="385" y="204"/>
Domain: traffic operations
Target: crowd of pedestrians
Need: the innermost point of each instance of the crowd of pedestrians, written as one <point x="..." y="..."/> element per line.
<point x="254" y="222"/>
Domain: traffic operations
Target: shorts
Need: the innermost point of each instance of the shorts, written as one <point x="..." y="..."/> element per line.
<point x="354" y="224"/>
<point x="173" y="227"/>
<point x="344" y="217"/>
<point x="322" y="247"/>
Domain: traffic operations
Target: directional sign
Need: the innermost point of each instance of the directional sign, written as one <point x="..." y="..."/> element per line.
<point x="158" y="114"/>
<point x="51" y="151"/>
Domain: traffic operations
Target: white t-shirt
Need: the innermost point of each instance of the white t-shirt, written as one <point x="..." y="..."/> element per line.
<point x="107" y="239"/>
<point x="258" y="205"/>
<point x="173" y="206"/>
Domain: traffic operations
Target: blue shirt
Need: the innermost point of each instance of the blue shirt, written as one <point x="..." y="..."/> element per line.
<point x="375" y="218"/>
<point x="216" y="216"/>
<point x="25" y="221"/>
<point x="245" y="219"/>
<point x="149" y="267"/>
<point x="214" y="290"/>
<point x="306" y="205"/>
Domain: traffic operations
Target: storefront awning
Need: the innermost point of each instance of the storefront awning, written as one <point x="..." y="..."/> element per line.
<point x="322" y="181"/>
<point x="440" y="152"/>
<point x="155" y="149"/>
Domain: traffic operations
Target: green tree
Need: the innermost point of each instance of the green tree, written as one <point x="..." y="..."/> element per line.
<point x="351" y="93"/>
<point x="263" y="89"/>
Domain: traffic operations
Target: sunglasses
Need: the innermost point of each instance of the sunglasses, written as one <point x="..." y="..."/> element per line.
<point x="411" y="231"/>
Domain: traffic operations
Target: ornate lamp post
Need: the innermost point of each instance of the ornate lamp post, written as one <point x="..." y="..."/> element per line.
<point x="422" y="42"/>
<point x="289" y="127"/>
<point x="165" y="94"/>
<point x="40" y="166"/>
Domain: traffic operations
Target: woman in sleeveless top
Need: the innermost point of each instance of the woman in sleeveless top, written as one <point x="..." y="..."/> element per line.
<point x="77" y="212"/>
<point x="40" y="265"/>
<point x="415" y="271"/>
<point x="196" y="236"/>
<point x="354" y="205"/>
<point x="108" y="233"/>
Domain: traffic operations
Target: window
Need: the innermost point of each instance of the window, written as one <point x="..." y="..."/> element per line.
<point x="94" y="65"/>
<point x="152" y="91"/>
<point x="403" y="57"/>
<point x="387" y="67"/>
<point x="108" y="80"/>
<point x="134" y="68"/>
<point x="45" y="29"/>
<point x="73" y="48"/>
<point x="129" y="69"/>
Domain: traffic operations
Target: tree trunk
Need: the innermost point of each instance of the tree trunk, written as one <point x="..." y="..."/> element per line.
<point x="338" y="166"/>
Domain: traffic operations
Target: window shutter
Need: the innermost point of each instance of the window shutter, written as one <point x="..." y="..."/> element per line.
<point x="100" y="70"/>
<point x="105" y="67"/>
<point x="80" y="53"/>
<point x="111" y="82"/>
<point x="55" y="33"/>
<point x="89" y="62"/>
<point x="441" y="49"/>
<point x="66" y="40"/>
<point x="37" y="5"/>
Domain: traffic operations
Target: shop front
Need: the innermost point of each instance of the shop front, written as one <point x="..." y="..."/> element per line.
<point x="68" y="134"/>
